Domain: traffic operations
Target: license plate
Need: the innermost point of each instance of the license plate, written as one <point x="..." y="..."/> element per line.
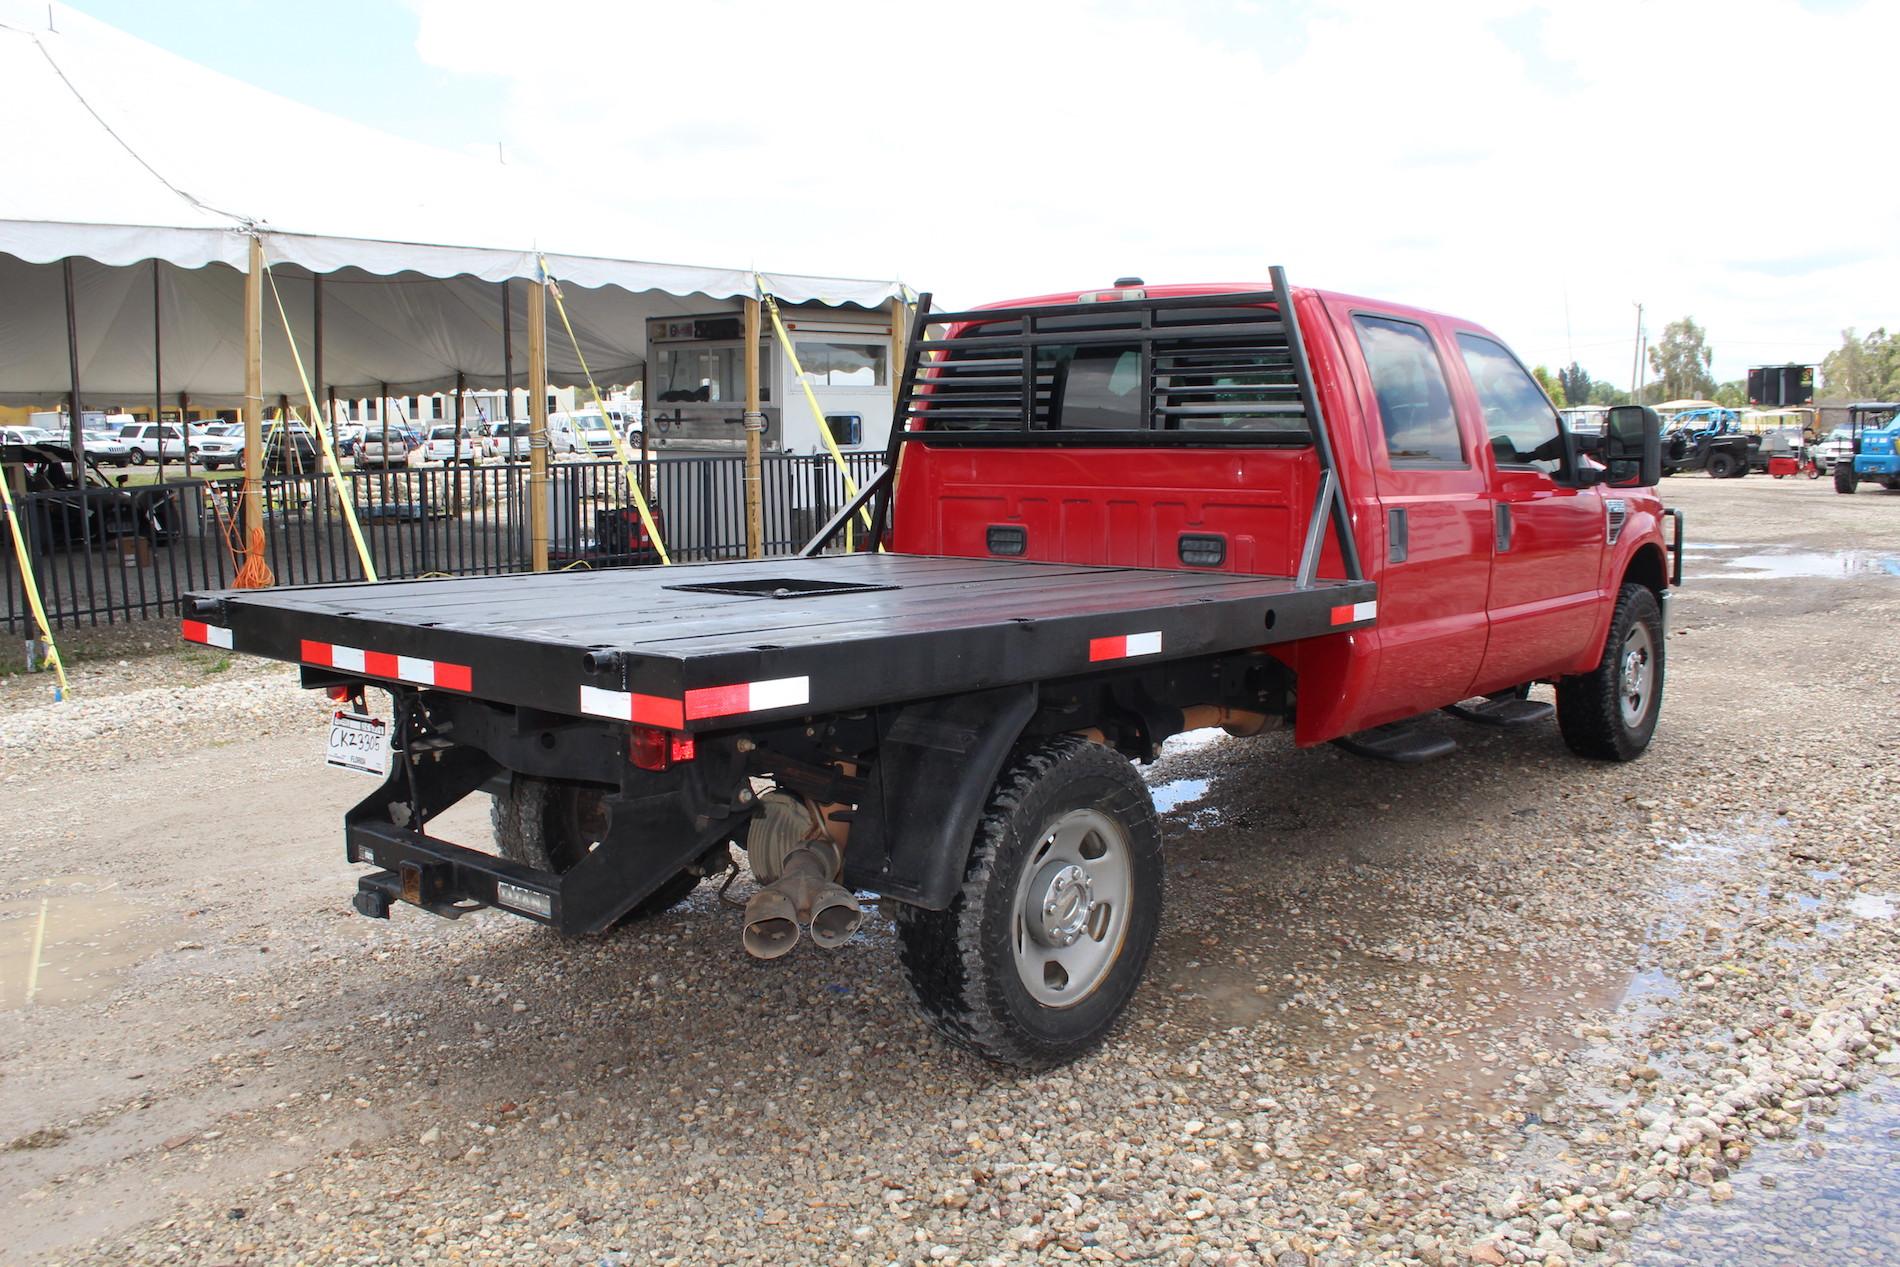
<point x="359" y="743"/>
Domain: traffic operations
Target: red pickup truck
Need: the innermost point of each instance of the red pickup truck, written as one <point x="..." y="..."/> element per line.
<point x="1114" y="516"/>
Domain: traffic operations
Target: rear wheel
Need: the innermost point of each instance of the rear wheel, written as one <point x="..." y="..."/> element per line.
<point x="1610" y="712"/>
<point x="1845" y="481"/>
<point x="1721" y="466"/>
<point x="551" y="826"/>
<point x="1043" y="945"/>
<point x="137" y="456"/>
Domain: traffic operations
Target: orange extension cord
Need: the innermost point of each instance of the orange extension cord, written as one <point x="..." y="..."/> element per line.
<point x="253" y="573"/>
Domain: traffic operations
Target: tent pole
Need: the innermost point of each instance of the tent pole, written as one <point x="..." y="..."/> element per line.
<point x="754" y="426"/>
<point x="455" y="453"/>
<point x="76" y="432"/>
<point x="508" y="363"/>
<point x="158" y="386"/>
<point x="538" y="421"/>
<point x="254" y="398"/>
<point x="316" y="340"/>
<point x="900" y="343"/>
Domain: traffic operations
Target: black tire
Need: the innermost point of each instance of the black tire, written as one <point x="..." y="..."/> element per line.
<point x="963" y="962"/>
<point x="543" y="824"/>
<point x="137" y="456"/>
<point x="1592" y="708"/>
<point x="1721" y="466"/>
<point x="1892" y="485"/>
<point x="1845" y="481"/>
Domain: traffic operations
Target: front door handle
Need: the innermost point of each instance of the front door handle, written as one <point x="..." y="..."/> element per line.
<point x="1503" y="520"/>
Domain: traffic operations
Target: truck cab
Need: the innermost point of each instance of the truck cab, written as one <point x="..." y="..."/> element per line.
<point x="1489" y="529"/>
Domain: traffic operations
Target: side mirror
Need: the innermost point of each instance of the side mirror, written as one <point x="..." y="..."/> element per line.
<point x="1632" y="446"/>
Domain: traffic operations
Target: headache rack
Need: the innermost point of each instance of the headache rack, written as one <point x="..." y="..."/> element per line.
<point x="1186" y="371"/>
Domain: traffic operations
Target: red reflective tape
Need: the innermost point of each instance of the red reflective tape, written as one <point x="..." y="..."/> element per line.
<point x="657" y="710"/>
<point x="314" y="652"/>
<point x="454" y="677"/>
<point x="1115" y="648"/>
<point x="719" y="701"/>
<point x="1342" y="615"/>
<point x="379" y="664"/>
<point x="194" y="631"/>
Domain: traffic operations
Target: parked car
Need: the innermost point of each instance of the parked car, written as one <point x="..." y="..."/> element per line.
<point x="1838" y="445"/>
<point x="289" y="450"/>
<point x="104" y="445"/>
<point x="27" y="435"/>
<point x="441" y="445"/>
<point x="145" y="441"/>
<point x="213" y="451"/>
<point x="497" y="435"/>
<point x="386" y="448"/>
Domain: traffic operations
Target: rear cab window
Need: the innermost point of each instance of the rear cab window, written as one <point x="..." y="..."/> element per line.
<point x="1416" y="418"/>
<point x="1185" y="372"/>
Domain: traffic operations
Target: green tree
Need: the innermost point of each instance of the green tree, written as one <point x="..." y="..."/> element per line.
<point x="1576" y="383"/>
<point x="1552" y="388"/>
<point x="1602" y="393"/>
<point x="1680" y="361"/>
<point x="1734" y="394"/>
<point x="1863" y="368"/>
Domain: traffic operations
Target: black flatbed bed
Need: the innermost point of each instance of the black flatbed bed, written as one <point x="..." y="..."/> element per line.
<point x="885" y="628"/>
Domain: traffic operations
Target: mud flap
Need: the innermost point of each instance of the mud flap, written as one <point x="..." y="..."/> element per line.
<point x="936" y="763"/>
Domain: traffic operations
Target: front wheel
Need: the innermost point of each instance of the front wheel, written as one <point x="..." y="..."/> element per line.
<point x="1610" y="712"/>
<point x="1043" y="945"/>
<point x="137" y="456"/>
<point x="1845" y="480"/>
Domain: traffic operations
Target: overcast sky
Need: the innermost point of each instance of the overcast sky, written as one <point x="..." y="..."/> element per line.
<point x="1537" y="167"/>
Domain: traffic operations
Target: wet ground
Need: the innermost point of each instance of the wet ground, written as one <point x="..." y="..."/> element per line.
<point x="1396" y="1015"/>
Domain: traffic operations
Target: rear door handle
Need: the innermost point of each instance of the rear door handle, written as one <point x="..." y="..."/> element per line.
<point x="1503" y="519"/>
<point x="1398" y="541"/>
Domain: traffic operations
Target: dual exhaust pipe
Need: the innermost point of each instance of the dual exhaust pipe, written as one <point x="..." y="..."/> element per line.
<point x="798" y="865"/>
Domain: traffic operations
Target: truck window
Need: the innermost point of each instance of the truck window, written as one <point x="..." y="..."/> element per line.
<point x="1415" y="410"/>
<point x="1096" y="387"/>
<point x="1518" y="416"/>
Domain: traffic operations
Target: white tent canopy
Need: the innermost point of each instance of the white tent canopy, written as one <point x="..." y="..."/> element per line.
<point x="151" y="173"/>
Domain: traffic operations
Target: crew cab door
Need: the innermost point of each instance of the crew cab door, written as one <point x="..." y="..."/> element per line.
<point x="1434" y="568"/>
<point x="1548" y="534"/>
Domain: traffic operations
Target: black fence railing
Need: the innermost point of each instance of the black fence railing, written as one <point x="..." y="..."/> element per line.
<point x="110" y="555"/>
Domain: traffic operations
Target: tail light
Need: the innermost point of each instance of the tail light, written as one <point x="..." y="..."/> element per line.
<point x="651" y="748"/>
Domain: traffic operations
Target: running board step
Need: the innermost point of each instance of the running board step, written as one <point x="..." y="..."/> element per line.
<point x="1407" y="743"/>
<point x="1506" y="710"/>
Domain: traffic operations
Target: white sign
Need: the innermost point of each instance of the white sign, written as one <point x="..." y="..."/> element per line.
<point x="359" y="743"/>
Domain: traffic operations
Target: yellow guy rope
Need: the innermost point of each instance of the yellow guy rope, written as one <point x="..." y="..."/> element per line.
<point x="25" y="557"/>
<point x="621" y="452"/>
<point x="824" y="431"/>
<point x="322" y="428"/>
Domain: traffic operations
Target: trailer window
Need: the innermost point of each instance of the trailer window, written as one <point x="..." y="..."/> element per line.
<point x="845" y="364"/>
<point x="696" y="373"/>
<point x="1517" y="415"/>
<point x="1408" y="381"/>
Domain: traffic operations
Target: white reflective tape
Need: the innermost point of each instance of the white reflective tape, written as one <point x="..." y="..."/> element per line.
<point x="410" y="669"/>
<point x="217" y="637"/>
<point x="784" y="692"/>
<point x="1144" y="643"/>
<point x="1366" y="610"/>
<point x="615" y="704"/>
<point x="350" y="658"/>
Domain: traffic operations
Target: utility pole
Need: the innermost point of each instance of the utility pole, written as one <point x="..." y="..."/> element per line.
<point x="1636" y="365"/>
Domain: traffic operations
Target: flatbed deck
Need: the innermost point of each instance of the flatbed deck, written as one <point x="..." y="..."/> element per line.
<point x="695" y="647"/>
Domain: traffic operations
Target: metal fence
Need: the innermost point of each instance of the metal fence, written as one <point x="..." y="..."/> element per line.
<point x="111" y="555"/>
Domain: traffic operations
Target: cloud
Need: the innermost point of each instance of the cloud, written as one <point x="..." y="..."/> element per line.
<point x="1535" y="166"/>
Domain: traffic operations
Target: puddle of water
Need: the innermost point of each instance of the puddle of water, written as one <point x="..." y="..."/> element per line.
<point x="1192" y="741"/>
<point x="1835" y="564"/>
<point x="1171" y="796"/>
<point x="1871" y="906"/>
<point x="1793" y="1207"/>
<point x="1648" y="990"/>
<point x="70" y="943"/>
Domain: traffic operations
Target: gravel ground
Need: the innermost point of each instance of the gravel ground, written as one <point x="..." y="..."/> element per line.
<point x="1507" y="1007"/>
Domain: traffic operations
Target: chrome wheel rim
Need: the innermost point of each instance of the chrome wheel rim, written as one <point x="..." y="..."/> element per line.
<point x="1070" y="914"/>
<point x="1636" y="675"/>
